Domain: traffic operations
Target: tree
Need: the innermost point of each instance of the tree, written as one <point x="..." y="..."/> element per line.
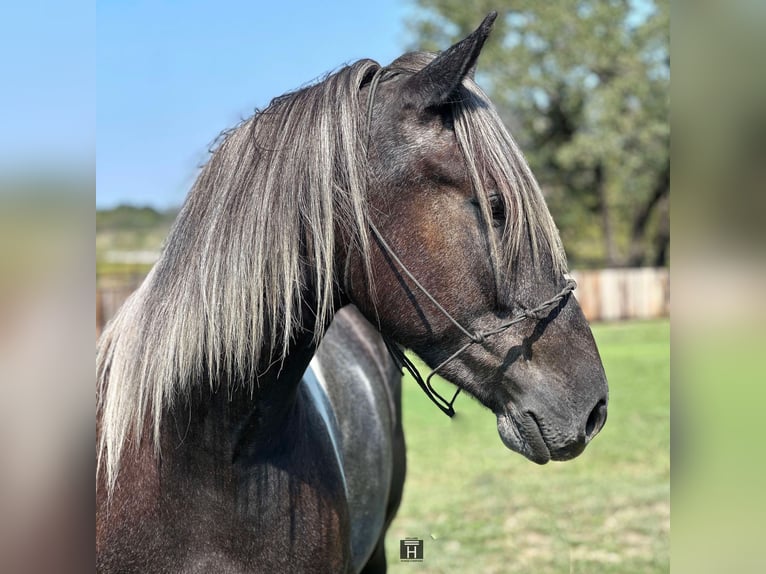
<point x="583" y="85"/>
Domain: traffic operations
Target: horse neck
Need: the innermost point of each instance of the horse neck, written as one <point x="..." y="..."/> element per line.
<point x="238" y="418"/>
<point x="242" y="423"/>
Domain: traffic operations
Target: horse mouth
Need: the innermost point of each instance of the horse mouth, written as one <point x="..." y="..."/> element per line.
<point x="521" y="433"/>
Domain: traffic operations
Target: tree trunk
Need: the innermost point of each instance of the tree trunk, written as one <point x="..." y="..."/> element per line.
<point x="662" y="239"/>
<point x="638" y="244"/>
<point x="606" y="217"/>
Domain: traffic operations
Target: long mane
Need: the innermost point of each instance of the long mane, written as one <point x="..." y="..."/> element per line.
<point x="258" y="225"/>
<point x="257" y="228"/>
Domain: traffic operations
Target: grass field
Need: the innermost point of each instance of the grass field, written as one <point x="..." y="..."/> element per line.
<point x="482" y="508"/>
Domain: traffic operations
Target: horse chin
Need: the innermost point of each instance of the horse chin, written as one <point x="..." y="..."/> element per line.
<point x="520" y="433"/>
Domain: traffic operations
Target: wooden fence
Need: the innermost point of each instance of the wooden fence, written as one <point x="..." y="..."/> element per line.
<point x="604" y="295"/>
<point x="617" y="294"/>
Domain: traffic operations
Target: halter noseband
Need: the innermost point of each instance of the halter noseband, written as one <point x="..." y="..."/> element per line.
<point x="478" y="337"/>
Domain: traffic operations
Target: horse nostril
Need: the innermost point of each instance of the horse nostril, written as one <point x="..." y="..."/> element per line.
<point x="596" y="420"/>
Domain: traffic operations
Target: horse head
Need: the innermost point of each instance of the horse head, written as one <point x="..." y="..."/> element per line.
<point x="464" y="251"/>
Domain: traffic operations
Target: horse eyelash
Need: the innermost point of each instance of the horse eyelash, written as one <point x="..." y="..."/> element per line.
<point x="496" y="206"/>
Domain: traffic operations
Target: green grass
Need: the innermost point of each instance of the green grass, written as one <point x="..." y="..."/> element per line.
<point x="109" y="272"/>
<point x="482" y="508"/>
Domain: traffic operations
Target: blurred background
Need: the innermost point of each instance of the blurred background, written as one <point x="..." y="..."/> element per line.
<point x="585" y="88"/>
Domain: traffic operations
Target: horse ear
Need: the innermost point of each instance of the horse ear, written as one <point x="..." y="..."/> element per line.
<point x="434" y="84"/>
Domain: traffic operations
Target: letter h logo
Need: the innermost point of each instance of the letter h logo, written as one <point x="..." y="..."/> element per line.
<point x="411" y="550"/>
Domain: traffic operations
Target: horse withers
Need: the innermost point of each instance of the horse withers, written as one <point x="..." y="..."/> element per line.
<point x="397" y="189"/>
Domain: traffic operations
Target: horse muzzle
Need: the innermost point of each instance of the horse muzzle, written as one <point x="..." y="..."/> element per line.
<point x="540" y="440"/>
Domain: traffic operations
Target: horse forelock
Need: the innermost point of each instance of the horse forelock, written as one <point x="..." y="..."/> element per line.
<point x="493" y="158"/>
<point x="256" y="230"/>
<point x="497" y="166"/>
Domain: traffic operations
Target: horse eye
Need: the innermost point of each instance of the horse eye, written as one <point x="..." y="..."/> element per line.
<point x="497" y="206"/>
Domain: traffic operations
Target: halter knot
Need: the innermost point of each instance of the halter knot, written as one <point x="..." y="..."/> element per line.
<point x="538" y="313"/>
<point x="478" y="337"/>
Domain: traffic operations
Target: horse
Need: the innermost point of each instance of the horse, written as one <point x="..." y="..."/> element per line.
<point x="393" y="188"/>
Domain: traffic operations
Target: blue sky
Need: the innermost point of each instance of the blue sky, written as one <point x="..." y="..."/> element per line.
<point x="47" y="86"/>
<point x="172" y="75"/>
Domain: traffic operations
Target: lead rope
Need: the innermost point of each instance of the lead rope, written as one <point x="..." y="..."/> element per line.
<point x="476" y="337"/>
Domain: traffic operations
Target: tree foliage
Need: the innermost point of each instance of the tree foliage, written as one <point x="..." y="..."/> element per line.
<point x="583" y="85"/>
<point x="131" y="218"/>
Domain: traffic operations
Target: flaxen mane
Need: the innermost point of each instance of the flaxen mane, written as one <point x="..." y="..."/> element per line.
<point x="258" y="227"/>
